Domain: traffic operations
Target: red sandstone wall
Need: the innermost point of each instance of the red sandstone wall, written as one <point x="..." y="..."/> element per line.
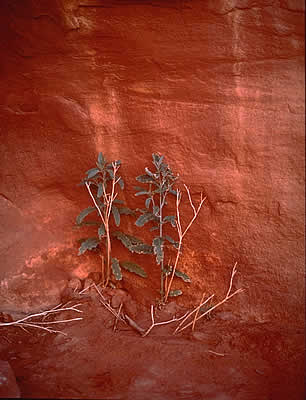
<point x="216" y="86"/>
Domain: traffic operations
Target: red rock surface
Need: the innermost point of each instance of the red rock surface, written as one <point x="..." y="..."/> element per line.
<point x="215" y="86"/>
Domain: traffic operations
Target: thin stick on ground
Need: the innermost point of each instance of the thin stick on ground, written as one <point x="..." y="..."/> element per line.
<point x="197" y="313"/>
<point x="174" y="319"/>
<point x="227" y="297"/>
<point x="116" y="319"/>
<point x="107" y="305"/>
<point x="44" y="325"/>
<point x="192" y="312"/>
<point x="181" y="233"/>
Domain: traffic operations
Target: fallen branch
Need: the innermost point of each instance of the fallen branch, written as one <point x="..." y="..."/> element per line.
<point x="174" y="319"/>
<point x="192" y="312"/>
<point x="226" y="298"/>
<point x="133" y="324"/>
<point x="44" y="325"/>
<point x="117" y="319"/>
<point x="108" y="306"/>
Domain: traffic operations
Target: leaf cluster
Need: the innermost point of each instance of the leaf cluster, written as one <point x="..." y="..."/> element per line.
<point x="102" y="181"/>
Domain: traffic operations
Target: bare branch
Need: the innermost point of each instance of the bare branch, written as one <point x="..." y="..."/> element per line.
<point x="95" y="203"/>
<point x="226" y="298"/>
<point x="107" y="305"/>
<point x="174" y="319"/>
<point x="182" y="233"/>
<point x="192" y="312"/>
<point x="26" y="321"/>
<point x="197" y="313"/>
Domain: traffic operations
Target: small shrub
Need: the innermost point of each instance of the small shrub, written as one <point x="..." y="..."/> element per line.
<point x="159" y="184"/>
<point x="102" y="183"/>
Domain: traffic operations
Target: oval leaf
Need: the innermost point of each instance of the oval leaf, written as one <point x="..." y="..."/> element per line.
<point x="101" y="231"/>
<point x="144" y="218"/>
<point x="84" y="214"/>
<point x="147" y="203"/>
<point x="171" y="219"/>
<point x="121" y="183"/>
<point x="101" y="159"/>
<point x="158" y="249"/>
<point x="116" y="215"/>
<point x="175" y="293"/>
<point x="100" y="190"/>
<point x="135" y="268"/>
<point x="145" y="179"/>
<point x="116" y="269"/>
<point x="111" y="172"/>
<point x="88" y="244"/>
<point x="92" y="172"/>
<point x="141" y="193"/>
<point x="181" y="275"/>
<point x="172" y="241"/>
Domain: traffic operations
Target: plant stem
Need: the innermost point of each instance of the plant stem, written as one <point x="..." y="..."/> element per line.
<point x="161" y="235"/>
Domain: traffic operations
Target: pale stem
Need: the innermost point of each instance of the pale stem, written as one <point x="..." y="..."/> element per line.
<point x="226" y="298"/>
<point x="197" y="313"/>
<point x="174" y="319"/>
<point x="192" y="312"/>
<point x="25" y="322"/>
<point x="180" y="232"/>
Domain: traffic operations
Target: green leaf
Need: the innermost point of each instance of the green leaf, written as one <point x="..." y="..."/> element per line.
<point x="142" y="248"/>
<point x="156" y="159"/>
<point x="101" y="231"/>
<point x="172" y="241"/>
<point x="100" y="190"/>
<point x="144" y="218"/>
<point x="88" y="244"/>
<point x="175" y="293"/>
<point x="147" y="203"/>
<point x="92" y="172"/>
<point x="174" y="192"/>
<point x="110" y="172"/>
<point x="145" y="179"/>
<point x="134" y="244"/>
<point x="139" y="188"/>
<point x="132" y="267"/>
<point x="155" y="210"/>
<point x="87" y="223"/>
<point x="84" y="214"/>
<point x="150" y="173"/>
<point x="116" y="269"/>
<point x="121" y="183"/>
<point x="116" y="215"/>
<point x="101" y="159"/>
<point x="126" y="211"/>
<point x="171" y="219"/>
<point x="158" y="249"/>
<point x="183" y="276"/>
<point x="118" y="201"/>
<point x="141" y="193"/>
<point x="154" y="228"/>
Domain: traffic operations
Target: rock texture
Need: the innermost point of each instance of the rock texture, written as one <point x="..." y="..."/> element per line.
<point x="215" y="86"/>
<point x="8" y="384"/>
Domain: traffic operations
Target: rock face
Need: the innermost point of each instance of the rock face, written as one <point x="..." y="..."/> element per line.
<point x="215" y="86"/>
<point x="8" y="384"/>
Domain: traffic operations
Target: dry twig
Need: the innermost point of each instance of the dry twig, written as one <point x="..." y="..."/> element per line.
<point x="107" y="305"/>
<point x="226" y="298"/>
<point x="44" y="325"/>
<point x="174" y="319"/>
<point x="180" y="231"/>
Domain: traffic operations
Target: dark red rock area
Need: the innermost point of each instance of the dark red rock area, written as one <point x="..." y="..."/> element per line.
<point x="216" y="86"/>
